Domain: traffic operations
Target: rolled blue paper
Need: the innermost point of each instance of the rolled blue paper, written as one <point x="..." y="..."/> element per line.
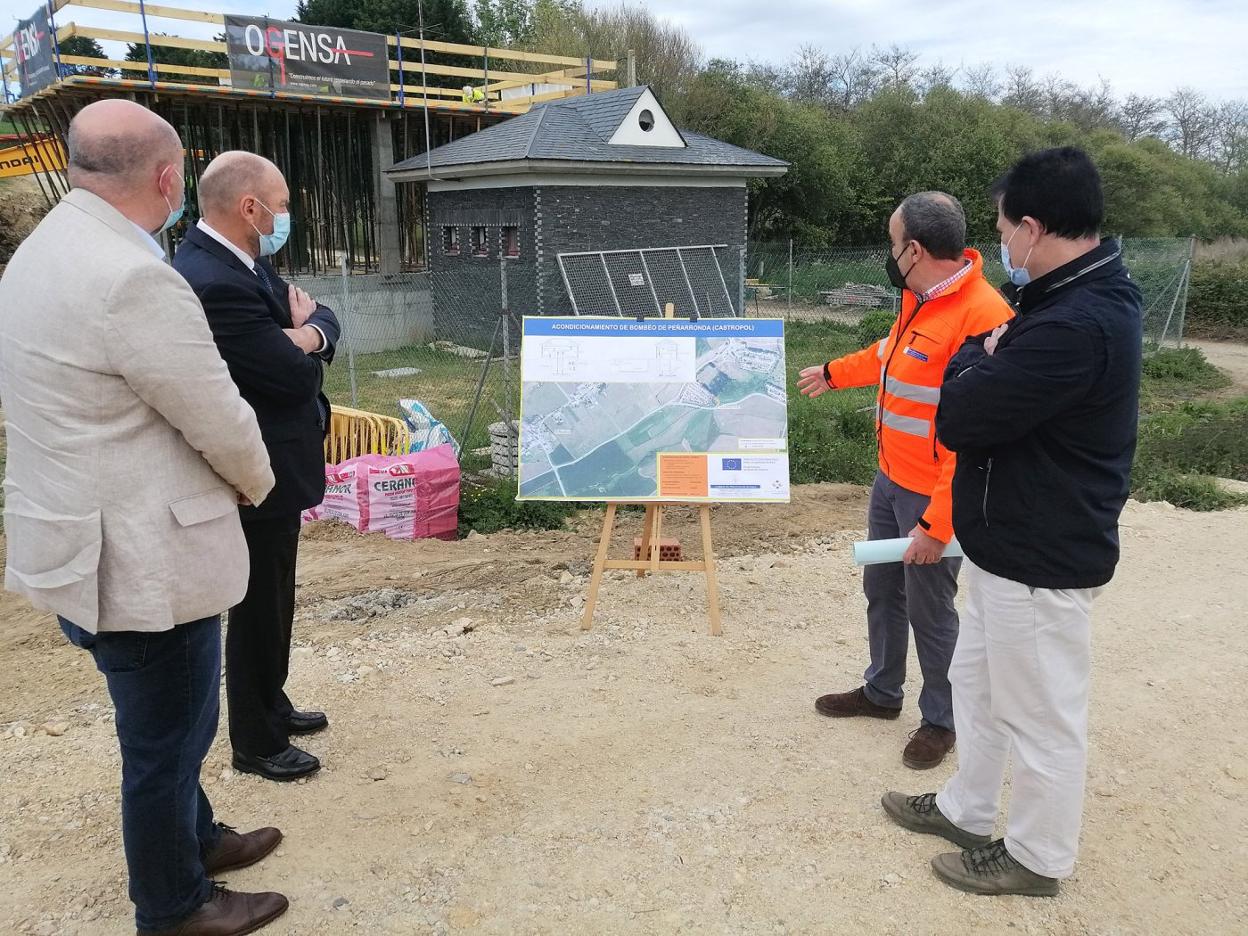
<point x="873" y="552"/>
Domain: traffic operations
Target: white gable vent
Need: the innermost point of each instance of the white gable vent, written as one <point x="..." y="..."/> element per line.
<point x="647" y="125"/>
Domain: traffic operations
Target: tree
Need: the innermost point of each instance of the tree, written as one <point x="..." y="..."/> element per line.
<point x="818" y="199"/>
<point x="1231" y="136"/>
<point x="85" y="48"/>
<point x="855" y="77"/>
<point x="936" y="76"/>
<point x="167" y="55"/>
<point x="897" y="64"/>
<point x="1140" y="116"/>
<point x="667" y="57"/>
<point x="810" y="77"/>
<point x="504" y="22"/>
<point x="1087" y="108"/>
<point x="1193" y="123"/>
<point x="445" y="20"/>
<point x="981" y="81"/>
<point x="1022" y="91"/>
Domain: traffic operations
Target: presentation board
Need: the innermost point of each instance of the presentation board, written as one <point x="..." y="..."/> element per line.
<point x="663" y="410"/>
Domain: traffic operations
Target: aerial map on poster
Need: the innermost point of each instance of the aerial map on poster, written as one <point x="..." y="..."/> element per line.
<point x="653" y="410"/>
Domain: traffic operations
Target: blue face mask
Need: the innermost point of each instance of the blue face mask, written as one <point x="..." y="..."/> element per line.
<point x="1017" y="275"/>
<point x="175" y="214"/>
<point x="272" y="243"/>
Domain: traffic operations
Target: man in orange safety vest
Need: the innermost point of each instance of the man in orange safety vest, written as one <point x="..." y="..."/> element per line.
<point x="945" y="299"/>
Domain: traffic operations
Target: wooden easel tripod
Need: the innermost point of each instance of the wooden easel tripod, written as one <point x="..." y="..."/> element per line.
<point x="650" y="561"/>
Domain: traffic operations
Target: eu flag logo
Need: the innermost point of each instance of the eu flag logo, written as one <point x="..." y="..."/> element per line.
<point x="732" y="464"/>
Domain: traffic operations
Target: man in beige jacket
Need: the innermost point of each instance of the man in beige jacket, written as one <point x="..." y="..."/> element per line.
<point x="129" y="449"/>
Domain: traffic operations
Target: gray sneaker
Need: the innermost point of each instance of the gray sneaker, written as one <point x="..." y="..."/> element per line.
<point x="991" y="870"/>
<point x="921" y="814"/>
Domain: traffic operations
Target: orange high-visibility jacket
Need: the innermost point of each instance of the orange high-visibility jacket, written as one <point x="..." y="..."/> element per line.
<point x="909" y="366"/>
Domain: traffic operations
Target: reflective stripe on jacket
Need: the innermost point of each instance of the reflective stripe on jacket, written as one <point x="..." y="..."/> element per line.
<point x="908" y="366"/>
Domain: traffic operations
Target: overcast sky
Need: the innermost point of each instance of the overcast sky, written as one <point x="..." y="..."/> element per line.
<point x="1141" y="46"/>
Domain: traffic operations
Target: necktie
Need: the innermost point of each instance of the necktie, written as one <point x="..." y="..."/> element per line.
<point x="264" y="277"/>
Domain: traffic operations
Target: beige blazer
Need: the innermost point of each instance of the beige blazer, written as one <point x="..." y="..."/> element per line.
<point x="127" y="440"/>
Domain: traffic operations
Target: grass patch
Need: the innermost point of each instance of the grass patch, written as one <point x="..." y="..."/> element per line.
<point x="446" y="384"/>
<point x="487" y="507"/>
<point x="831" y="438"/>
<point x="1198" y="438"/>
<point x="1190" y="492"/>
<point x="1185" y="442"/>
<point x="1174" y="374"/>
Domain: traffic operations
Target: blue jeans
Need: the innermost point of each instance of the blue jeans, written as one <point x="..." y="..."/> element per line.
<point x="901" y="597"/>
<point x="164" y="687"/>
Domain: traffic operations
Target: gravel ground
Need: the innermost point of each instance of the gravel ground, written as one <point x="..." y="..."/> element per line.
<point x="492" y="769"/>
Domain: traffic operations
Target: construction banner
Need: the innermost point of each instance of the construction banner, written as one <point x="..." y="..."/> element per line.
<point x="33" y="43"/>
<point x="271" y="55"/>
<point x="29" y="158"/>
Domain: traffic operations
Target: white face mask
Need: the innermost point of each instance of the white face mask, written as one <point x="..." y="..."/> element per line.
<point x="272" y="243"/>
<point x="1017" y="275"/>
<point x="175" y="214"/>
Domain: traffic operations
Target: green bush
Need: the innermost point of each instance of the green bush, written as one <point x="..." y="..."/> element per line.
<point x="488" y="508"/>
<point x="832" y="438"/>
<point x="1182" y="449"/>
<point x="1190" y="492"/>
<point x="1197" y="438"/>
<point x="1217" y="303"/>
<point x="875" y="325"/>
<point x="1182" y="366"/>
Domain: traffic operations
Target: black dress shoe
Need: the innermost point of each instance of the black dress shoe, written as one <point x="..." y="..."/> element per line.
<point x="298" y="722"/>
<point x="290" y="764"/>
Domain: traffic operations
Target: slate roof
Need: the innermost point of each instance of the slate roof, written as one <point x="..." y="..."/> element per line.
<point x="579" y="130"/>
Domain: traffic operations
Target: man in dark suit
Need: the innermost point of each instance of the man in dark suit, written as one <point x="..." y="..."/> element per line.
<point x="275" y="340"/>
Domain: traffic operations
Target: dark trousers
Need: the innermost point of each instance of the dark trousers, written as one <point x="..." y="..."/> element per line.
<point x="901" y="597"/>
<point x="257" y="643"/>
<point x="164" y="687"/>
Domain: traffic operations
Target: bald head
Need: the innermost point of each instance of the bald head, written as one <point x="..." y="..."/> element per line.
<point x="130" y="157"/>
<point x="236" y="175"/>
<point x="116" y="146"/>
<point x="239" y="195"/>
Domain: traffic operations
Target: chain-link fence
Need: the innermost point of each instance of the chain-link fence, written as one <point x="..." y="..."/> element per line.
<point x="842" y="284"/>
<point x="451" y="339"/>
<point x="447" y="339"/>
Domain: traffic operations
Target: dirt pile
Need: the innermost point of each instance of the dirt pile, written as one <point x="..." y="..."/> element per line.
<point x="22" y="206"/>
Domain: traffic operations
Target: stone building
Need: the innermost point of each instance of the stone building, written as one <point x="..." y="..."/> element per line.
<point x="606" y="173"/>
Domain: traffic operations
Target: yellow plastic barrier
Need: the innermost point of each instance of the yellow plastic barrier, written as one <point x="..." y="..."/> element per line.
<point x="355" y="432"/>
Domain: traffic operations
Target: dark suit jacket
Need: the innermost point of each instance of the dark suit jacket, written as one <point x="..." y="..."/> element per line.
<point x="281" y="382"/>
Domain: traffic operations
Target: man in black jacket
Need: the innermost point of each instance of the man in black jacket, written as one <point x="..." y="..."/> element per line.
<point x="275" y="341"/>
<point x="1042" y="414"/>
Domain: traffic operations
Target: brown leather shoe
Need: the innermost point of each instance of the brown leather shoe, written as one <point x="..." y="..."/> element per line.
<point x="928" y="747"/>
<point x="236" y="851"/>
<point x="851" y="704"/>
<point x="229" y="913"/>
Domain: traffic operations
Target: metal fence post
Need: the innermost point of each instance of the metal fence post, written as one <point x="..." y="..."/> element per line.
<point x="790" y="312"/>
<point x="505" y="314"/>
<point x="1191" y="265"/>
<point x="741" y="283"/>
<point x="347" y="315"/>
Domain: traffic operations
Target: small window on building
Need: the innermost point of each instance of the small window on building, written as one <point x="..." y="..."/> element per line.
<point x="511" y="241"/>
<point x="450" y="241"/>
<point x="646" y="120"/>
<point x="480" y="242"/>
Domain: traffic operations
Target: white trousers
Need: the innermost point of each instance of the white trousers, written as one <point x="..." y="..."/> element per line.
<point x="1020" y="685"/>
